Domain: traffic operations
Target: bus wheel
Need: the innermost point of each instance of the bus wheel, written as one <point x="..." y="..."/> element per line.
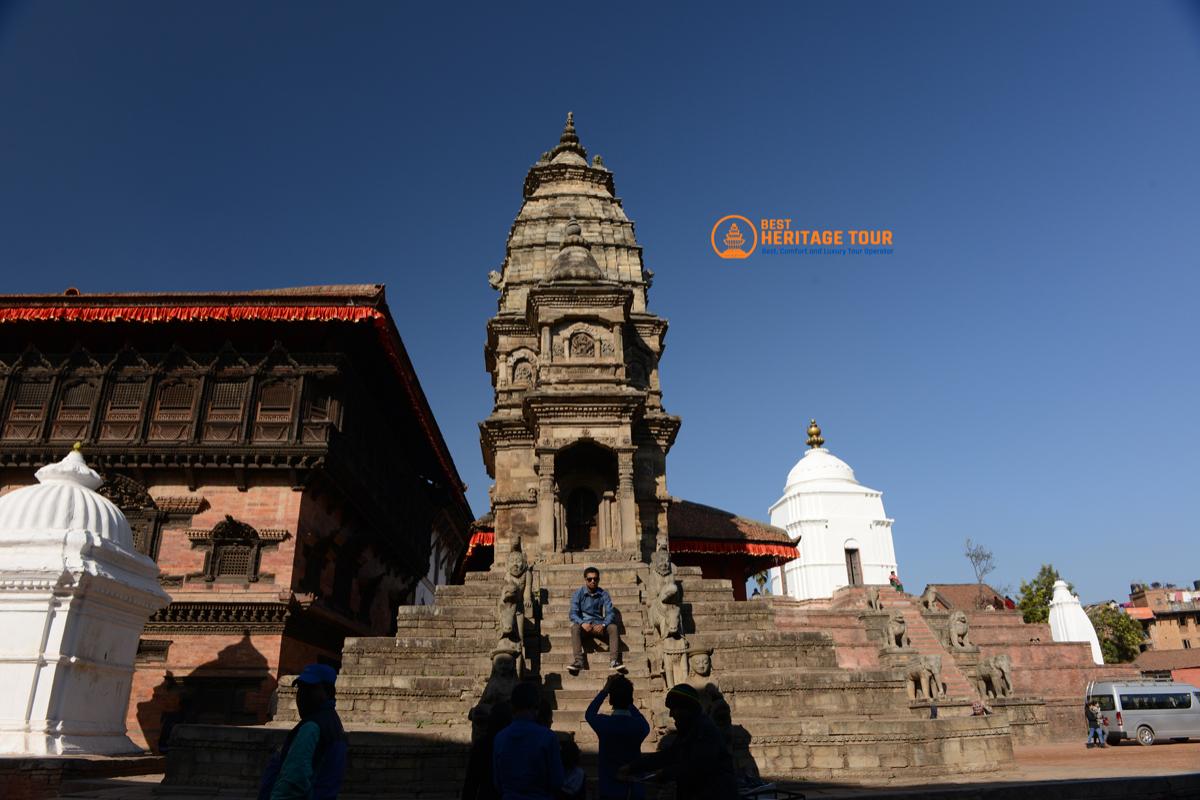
<point x="1145" y="736"/>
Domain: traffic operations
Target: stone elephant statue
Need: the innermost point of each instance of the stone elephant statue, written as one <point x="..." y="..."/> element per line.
<point x="925" y="678"/>
<point x="993" y="677"/>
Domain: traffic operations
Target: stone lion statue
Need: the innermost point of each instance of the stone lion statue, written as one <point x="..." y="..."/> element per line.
<point x="956" y="634"/>
<point x="897" y="631"/>
<point x="873" y="601"/>
<point x="928" y="600"/>
<point x="994" y="677"/>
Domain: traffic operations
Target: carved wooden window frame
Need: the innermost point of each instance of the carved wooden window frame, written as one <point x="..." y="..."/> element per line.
<point x="124" y="408"/>
<point x="175" y="414"/>
<point x="232" y="541"/>
<point x="74" y="409"/>
<point x="27" y="415"/>
<point x="275" y="416"/>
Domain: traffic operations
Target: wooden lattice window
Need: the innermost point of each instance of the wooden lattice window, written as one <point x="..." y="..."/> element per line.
<point x="174" y="410"/>
<point x="123" y="412"/>
<point x="74" y="411"/>
<point x="27" y="411"/>
<point x="273" y="417"/>
<point x="226" y="406"/>
<point x="321" y="409"/>
<point x="233" y="553"/>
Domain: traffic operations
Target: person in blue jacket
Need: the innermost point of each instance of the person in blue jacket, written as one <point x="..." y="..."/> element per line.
<point x="526" y="760"/>
<point x="313" y="760"/>
<point x="621" y="734"/>
<point x="592" y="614"/>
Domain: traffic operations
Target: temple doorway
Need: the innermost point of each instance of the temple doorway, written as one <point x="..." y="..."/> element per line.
<point x="854" y="573"/>
<point x="586" y="476"/>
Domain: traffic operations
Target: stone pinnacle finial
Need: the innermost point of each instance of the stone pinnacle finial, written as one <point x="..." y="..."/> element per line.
<point x="568" y="142"/>
<point x="573" y="235"/>
<point x="814" y="434"/>
<point x="77" y="447"/>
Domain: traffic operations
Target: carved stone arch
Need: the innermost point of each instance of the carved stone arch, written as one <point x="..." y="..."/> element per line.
<point x="579" y="341"/>
<point x="523" y="368"/>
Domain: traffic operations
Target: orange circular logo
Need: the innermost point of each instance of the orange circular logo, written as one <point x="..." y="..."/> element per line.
<point x="729" y="237"/>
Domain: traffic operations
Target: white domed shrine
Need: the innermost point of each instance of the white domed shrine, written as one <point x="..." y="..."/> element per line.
<point x="74" y="596"/>
<point x="838" y="525"/>
<point x="1070" y="623"/>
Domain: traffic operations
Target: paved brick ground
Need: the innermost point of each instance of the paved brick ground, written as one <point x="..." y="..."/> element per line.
<point x="1039" y="765"/>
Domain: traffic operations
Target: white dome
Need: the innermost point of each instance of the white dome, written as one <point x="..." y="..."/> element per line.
<point x="818" y="464"/>
<point x="64" y="500"/>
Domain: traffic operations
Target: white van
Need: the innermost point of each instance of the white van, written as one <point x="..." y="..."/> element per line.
<point x="1147" y="710"/>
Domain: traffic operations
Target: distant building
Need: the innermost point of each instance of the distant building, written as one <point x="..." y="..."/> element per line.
<point x="273" y="453"/>
<point x="1170" y="617"/>
<point x="968" y="596"/>
<point x="838" y="525"/>
<point x="1178" y="665"/>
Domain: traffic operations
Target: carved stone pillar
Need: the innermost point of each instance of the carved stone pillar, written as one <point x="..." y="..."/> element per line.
<point x="545" y="500"/>
<point x="629" y="534"/>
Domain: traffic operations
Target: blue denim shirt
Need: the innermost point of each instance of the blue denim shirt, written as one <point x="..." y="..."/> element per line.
<point x="591" y="607"/>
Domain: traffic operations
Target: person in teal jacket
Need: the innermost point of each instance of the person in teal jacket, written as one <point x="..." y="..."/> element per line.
<point x="312" y="763"/>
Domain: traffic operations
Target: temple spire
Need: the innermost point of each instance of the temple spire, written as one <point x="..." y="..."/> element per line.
<point x="568" y="142"/>
<point x="814" y="435"/>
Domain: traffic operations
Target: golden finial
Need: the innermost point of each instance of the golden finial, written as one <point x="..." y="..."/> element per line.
<point x="814" y="434"/>
<point x="77" y="447"/>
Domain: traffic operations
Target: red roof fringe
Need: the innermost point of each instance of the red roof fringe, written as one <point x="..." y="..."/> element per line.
<point x="480" y="539"/>
<point x="778" y="551"/>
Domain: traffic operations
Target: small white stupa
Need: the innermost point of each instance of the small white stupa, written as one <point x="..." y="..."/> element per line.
<point x="74" y="596"/>
<point x="838" y="525"/>
<point x="1070" y="623"/>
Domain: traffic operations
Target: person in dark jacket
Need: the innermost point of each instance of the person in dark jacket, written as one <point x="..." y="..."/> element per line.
<point x="1091" y="713"/>
<point x="312" y="763"/>
<point x="621" y="734"/>
<point x="697" y="761"/>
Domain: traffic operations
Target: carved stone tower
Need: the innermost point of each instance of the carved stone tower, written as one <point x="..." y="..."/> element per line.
<point x="578" y="438"/>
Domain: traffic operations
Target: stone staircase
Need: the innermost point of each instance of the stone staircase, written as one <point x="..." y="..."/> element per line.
<point x="927" y="643"/>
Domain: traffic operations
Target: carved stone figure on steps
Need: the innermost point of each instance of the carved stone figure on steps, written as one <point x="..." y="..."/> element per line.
<point x="666" y="618"/>
<point x="497" y="690"/>
<point x="873" y="601"/>
<point x="897" y="631"/>
<point x="993" y="677"/>
<point x="925" y="678"/>
<point x="956" y="634"/>
<point x="928" y="600"/>
<point x="713" y="702"/>
<point x="515" y="606"/>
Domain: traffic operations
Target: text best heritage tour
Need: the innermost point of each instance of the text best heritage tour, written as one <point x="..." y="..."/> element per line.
<point x="779" y="232"/>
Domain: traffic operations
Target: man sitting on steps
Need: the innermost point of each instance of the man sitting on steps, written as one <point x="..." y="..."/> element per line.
<point x="592" y="613"/>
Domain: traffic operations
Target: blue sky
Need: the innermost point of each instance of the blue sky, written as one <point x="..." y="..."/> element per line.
<point x="1021" y="371"/>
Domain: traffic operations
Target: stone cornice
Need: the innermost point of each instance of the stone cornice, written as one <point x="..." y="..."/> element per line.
<point x="196" y="535"/>
<point x="183" y="506"/>
<point x="541" y="174"/>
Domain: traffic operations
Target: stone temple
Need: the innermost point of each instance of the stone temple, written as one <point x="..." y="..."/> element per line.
<point x="839" y="687"/>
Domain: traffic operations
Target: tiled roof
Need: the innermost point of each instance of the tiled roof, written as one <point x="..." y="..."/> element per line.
<point x="1139" y="612"/>
<point x="371" y="293"/>
<point x="1156" y="660"/>
<point x="966" y="595"/>
<point x="689" y="520"/>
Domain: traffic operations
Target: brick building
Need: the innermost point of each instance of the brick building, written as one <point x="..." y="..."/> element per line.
<point x="1170" y="617"/>
<point x="274" y="453"/>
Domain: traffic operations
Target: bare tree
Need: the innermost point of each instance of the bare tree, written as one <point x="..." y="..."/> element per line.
<point x="983" y="562"/>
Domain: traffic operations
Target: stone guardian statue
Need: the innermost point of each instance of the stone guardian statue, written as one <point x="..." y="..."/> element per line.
<point x="514" y="608"/>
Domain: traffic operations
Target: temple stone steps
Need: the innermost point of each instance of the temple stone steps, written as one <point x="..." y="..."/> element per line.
<point x="927" y="643"/>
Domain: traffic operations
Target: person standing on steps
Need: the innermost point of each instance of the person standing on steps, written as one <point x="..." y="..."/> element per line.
<point x="621" y="734"/>
<point x="592" y="614"/>
<point x="526" y="760"/>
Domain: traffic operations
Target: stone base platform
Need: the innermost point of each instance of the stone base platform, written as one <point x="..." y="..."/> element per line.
<point x="37" y="777"/>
